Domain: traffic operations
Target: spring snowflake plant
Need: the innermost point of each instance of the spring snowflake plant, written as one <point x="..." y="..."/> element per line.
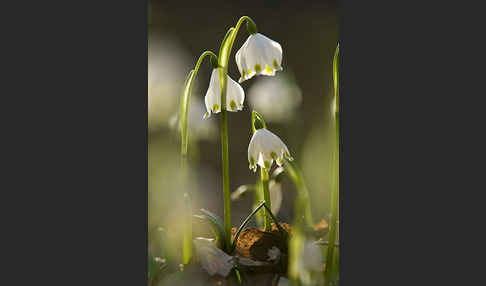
<point x="259" y="55"/>
<point x="224" y="94"/>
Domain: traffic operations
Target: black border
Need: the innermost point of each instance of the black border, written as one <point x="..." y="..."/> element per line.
<point x="76" y="142"/>
<point x="75" y="192"/>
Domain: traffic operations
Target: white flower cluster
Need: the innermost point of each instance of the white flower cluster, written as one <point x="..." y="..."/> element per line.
<point x="259" y="55"/>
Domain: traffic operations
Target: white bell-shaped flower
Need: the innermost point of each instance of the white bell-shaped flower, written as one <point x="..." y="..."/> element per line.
<point x="264" y="148"/>
<point x="259" y="55"/>
<point x="235" y="96"/>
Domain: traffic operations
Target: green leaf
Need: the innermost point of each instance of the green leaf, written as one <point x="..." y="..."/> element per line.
<point x="245" y="222"/>
<point x="335" y="76"/>
<point x="216" y="224"/>
<point x="333" y="225"/>
<point x="238" y="276"/>
<point x="154" y="268"/>
<point x="243" y="225"/>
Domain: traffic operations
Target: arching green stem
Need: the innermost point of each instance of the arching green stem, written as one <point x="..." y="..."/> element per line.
<point x="261" y="123"/>
<point x="184" y="111"/>
<point x="184" y="108"/>
<point x="224" y="53"/>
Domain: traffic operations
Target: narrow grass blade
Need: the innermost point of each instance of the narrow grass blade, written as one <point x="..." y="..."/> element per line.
<point x="238" y="276"/>
<point x="243" y="225"/>
<point x="245" y="222"/>
<point x="330" y="259"/>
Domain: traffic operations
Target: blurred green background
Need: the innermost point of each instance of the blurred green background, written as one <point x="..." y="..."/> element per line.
<point x="295" y="104"/>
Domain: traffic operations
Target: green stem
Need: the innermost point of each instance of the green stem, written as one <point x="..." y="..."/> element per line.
<point x="255" y="115"/>
<point x="264" y="177"/>
<point x="187" y="235"/>
<point x="260" y="217"/>
<point x="224" y="53"/>
<point x="184" y="111"/>
<point x="266" y="197"/>
<point x="252" y="28"/>
<point x="201" y="57"/>
<point x="335" y="190"/>
<point x="226" y="182"/>
<point x="187" y="232"/>
<point x="185" y="103"/>
<point x="334" y="206"/>
<point x="335" y="266"/>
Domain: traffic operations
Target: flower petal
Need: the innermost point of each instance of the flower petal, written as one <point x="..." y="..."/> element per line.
<point x="273" y="52"/>
<point x="235" y="96"/>
<point x="253" y="153"/>
<point x="241" y="63"/>
<point x="259" y="55"/>
<point x="265" y="148"/>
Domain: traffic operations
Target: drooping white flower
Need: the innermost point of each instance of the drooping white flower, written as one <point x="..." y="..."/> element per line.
<point x="259" y="55"/>
<point x="234" y="95"/>
<point x="264" y="148"/>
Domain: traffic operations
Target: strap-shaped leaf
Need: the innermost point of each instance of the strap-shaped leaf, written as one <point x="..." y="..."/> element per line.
<point x="245" y="222"/>
<point x="333" y="224"/>
<point x="243" y="225"/>
<point x="216" y="223"/>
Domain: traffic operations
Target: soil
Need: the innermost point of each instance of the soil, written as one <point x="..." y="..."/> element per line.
<point x="254" y="244"/>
